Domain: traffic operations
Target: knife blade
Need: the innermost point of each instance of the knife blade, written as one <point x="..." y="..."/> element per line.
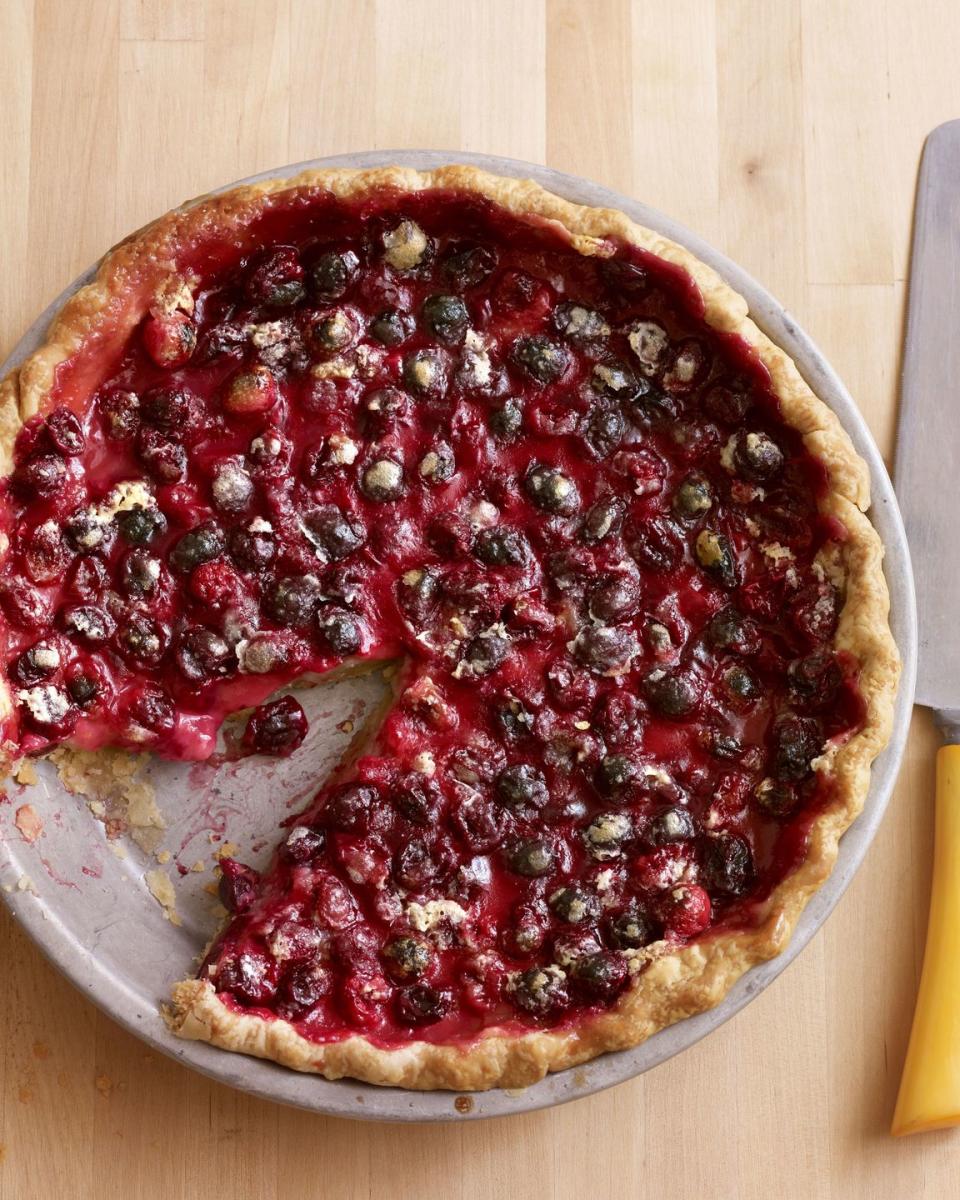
<point x="926" y="482"/>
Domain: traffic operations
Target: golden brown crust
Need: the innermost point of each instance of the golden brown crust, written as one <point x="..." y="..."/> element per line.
<point x="674" y="983"/>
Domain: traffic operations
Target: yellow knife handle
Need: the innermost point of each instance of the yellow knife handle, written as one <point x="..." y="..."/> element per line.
<point x="930" y="1088"/>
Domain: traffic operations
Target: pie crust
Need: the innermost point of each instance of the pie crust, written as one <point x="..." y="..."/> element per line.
<point x="677" y="982"/>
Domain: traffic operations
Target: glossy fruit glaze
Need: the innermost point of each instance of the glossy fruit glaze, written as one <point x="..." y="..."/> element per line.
<point x="420" y="427"/>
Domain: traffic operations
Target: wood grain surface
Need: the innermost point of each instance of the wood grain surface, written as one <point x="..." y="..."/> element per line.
<point x="788" y="133"/>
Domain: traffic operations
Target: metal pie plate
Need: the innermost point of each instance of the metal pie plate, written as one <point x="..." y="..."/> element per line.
<point x="90" y="911"/>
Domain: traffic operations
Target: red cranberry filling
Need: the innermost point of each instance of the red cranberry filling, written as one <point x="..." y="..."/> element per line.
<point x="419" y="426"/>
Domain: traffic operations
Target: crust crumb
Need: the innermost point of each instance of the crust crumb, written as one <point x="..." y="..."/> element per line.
<point x="110" y="782"/>
<point x="25" y="772"/>
<point x="162" y="891"/>
<point x="28" y="821"/>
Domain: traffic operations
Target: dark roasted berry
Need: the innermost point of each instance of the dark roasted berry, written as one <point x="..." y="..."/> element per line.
<point x="339" y="629"/>
<point x="631" y="930"/>
<point x="617" y="776"/>
<point x="140" y="526"/>
<point x="715" y="554"/>
<point x="199" y="545"/>
<point x="776" y="796"/>
<point x="614" y="598"/>
<point x="615" y="380"/>
<point x="446" y="317"/>
<point x="728" y="864"/>
<point x="813" y="681"/>
<point x="202" y="654"/>
<point x="507" y="421"/>
<point x="141" y="640"/>
<point x="813" y="612"/>
<point x="392" y="327"/>
<point x="551" y="491"/>
<point x="422" y="1004"/>
<point x="797" y="741"/>
<point x="139" y="574"/>
<point x="172" y="410"/>
<point x="277" y="278"/>
<point x="603" y="430"/>
<point x="484" y="654"/>
<point x="348" y="807"/>
<point x="468" y="266"/>
<point x="601" y="976"/>
<point x="331" y="331"/>
<point x="252" y="550"/>
<point x="606" y="835"/>
<point x="757" y="456"/>
<point x="418" y="798"/>
<point x="674" y="824"/>
<point x="333" y="273"/>
<point x="83" y="685"/>
<point x="87" y="534"/>
<point x="731" y="630"/>
<point x="531" y="857"/>
<point x="293" y="601"/>
<point x="670" y="694"/>
<point x="606" y="649"/>
<point x="543" y="360"/>
<point x="541" y="991"/>
<point x="438" y="464"/>
<point x="502" y="546"/>
<point x="575" y="905"/>
<point x="408" y="957"/>
<point x="478" y="824"/>
<point x="740" y="685"/>
<point x="727" y="404"/>
<point x="333" y="533"/>
<point x="522" y="787"/>
<point x="238" y="885"/>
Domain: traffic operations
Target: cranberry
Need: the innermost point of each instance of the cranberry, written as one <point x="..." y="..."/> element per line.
<point x="238" y="885"/>
<point x="382" y="480"/>
<point x="302" y="845"/>
<point x="277" y="278"/>
<point x="813" y="612"/>
<point x="714" y="552"/>
<point x="477" y="823"/>
<point x="578" y="324"/>
<point x="507" y="421"/>
<point x="575" y="905"/>
<point x="425" y="373"/>
<point x="164" y="458"/>
<point x="120" y="410"/>
<point x="251" y="978"/>
<point x="417" y="596"/>
<point x="614" y="598"/>
<point x="688" y="366"/>
<point x="174" y="411"/>
<point x="670" y="694"/>
<point x="741" y="687"/>
<point x="693" y="498"/>
<point x="277" y="728"/>
<point x="140" y="526"/>
<point x="339" y="629"/>
<point x="757" y="456"/>
<point x="728" y="864"/>
<point x="675" y="824"/>
<point x="685" y="911"/>
<point x="486" y="653"/>
<point x="45" y="554"/>
<point x="392" y="327"/>
<point x="731" y="630"/>
<point x="65" y="433"/>
<point x="89" y="623"/>
<point x="335" y="907"/>
<point x="466" y="266"/>
<point x="418" y="798"/>
<point x="570" y="686"/>
<point x="48" y="709"/>
<point x="42" y="477"/>
<point x="215" y="584"/>
<point x="656" y="545"/>
<point x="170" y="338"/>
<point x="603" y="430"/>
<point x="333" y="533"/>
<point x="331" y="331"/>
<point x="601" y="976"/>
<point x="523" y="789"/>
<point x="449" y="534"/>
<point x="304" y="986"/>
<point x="87" y="580"/>
<point x="551" y="491"/>
<point x="423" y="1005"/>
<point x="84" y="684"/>
<point x="502" y="546"/>
<point x="527" y="929"/>
<point x="446" y="317"/>
<point x="23" y="605"/>
<point x="40" y="661"/>
<point x="151" y="712"/>
<point x="293" y="601"/>
<point x="416" y="864"/>
<point x="727" y="404"/>
<point x="531" y="857"/>
<point x="251" y="393"/>
<point x="349" y="807"/>
<point x="606" y="649"/>
<point x="619" y="718"/>
<point x="542" y="359"/>
<point x="139" y="574"/>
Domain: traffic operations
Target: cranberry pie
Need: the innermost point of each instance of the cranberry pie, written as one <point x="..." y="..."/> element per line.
<point x="540" y="459"/>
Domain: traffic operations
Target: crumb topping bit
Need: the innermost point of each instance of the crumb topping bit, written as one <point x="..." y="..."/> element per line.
<point x="542" y="480"/>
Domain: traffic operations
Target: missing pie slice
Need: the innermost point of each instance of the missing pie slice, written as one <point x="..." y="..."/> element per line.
<point x="544" y="457"/>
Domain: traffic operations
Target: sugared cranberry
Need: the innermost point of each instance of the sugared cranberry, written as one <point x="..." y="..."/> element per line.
<point x="141" y="640"/>
<point x="522" y="788"/>
<point x="813" y="612"/>
<point x="531" y="857"/>
<point x="199" y="545"/>
<point x="715" y="553"/>
<point x="526" y="931"/>
<point x="120" y="410"/>
<point x="277" y="728"/>
<point x="139" y="574"/>
<point x="757" y="456"/>
<point x="477" y="823"/>
<point x="45" y="554"/>
<point x="293" y="601"/>
<point x="333" y="272"/>
<point x="425" y="373"/>
<point x="692" y="499"/>
<point x="685" y="911"/>
<point x="670" y="693"/>
<point x="42" y="477"/>
<point x="334" y="534"/>
<point x="151" y="712"/>
<point x="339" y="629"/>
<point x="382" y="480"/>
<point x="606" y="649"/>
<point x="175" y="411"/>
<point x="65" y="432"/>
<point x="140" y="526"/>
<point x="88" y="622"/>
<point x="238" y="885"/>
<point x="302" y="845"/>
<point x="575" y="905"/>
<point x="541" y="991"/>
<point x="203" y="654"/>
<point x="418" y="798"/>
<point x="408" y="957"/>
<point x="551" y="491"/>
<point x="507" y="421"/>
<point x="164" y="458"/>
<point x="22" y="605"/>
<point x="631" y="929"/>
<point x="253" y="550"/>
<point x="87" y="580"/>
<point x="251" y="978"/>
<point x="348" y="807"/>
<point x="48" y="709"/>
<point x="570" y="686"/>
<point x="251" y="393"/>
<point x="277" y="278"/>
<point x="304" y="986"/>
<point x="170" y="338"/>
<point x="486" y="653"/>
<point x="675" y="824"/>
<point x="392" y="327"/>
<point x="38" y="662"/>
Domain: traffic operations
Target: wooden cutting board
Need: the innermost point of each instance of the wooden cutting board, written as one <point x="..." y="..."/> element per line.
<point x="787" y="132"/>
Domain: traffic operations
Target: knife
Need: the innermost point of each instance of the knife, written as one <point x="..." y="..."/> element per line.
<point x="927" y="478"/>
